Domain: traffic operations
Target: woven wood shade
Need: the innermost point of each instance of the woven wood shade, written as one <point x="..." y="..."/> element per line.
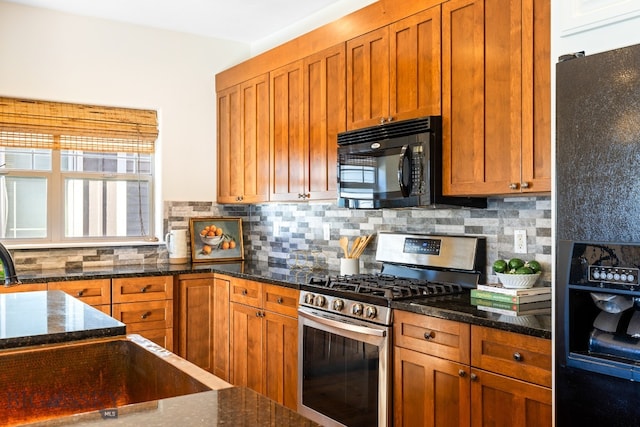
<point x="42" y="124"/>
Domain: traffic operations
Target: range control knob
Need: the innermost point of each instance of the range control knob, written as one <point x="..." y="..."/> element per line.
<point x="308" y="299"/>
<point x="320" y="300"/>
<point x="370" y="312"/>
<point x="338" y="305"/>
<point x="356" y="309"/>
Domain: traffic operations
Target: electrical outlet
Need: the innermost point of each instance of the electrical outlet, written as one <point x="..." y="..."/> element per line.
<point x="327" y="231"/>
<point x="520" y="241"/>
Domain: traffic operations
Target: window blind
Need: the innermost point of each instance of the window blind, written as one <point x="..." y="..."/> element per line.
<point x="55" y="125"/>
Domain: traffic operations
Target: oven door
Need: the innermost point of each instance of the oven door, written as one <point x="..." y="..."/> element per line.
<point x="344" y="370"/>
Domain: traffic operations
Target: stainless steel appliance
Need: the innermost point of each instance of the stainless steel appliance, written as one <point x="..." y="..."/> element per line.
<point x="344" y="354"/>
<point x="395" y="164"/>
<point x="597" y="345"/>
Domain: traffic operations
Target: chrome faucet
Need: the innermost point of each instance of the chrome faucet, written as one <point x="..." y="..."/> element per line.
<point x="10" y="276"/>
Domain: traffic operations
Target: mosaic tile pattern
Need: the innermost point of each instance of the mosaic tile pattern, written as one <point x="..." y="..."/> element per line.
<point x="278" y="233"/>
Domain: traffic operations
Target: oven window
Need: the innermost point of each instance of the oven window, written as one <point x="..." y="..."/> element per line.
<point x="340" y="377"/>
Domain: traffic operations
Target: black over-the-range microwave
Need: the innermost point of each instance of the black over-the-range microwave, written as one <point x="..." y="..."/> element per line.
<point x="395" y="165"/>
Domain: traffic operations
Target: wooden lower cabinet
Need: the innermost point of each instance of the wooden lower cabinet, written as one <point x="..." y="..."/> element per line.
<point x="221" y="328"/>
<point x="432" y="390"/>
<point x="264" y="343"/>
<point x="95" y="292"/>
<point x="196" y="309"/>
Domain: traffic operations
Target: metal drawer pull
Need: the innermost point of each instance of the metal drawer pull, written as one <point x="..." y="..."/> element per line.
<point x="279" y="300"/>
<point x="518" y="357"/>
<point x="145" y="315"/>
<point x="245" y="292"/>
<point x="462" y="373"/>
<point x="429" y="335"/>
<point x="81" y="292"/>
<point x="259" y="313"/>
<point x="144" y="288"/>
<point x="473" y="377"/>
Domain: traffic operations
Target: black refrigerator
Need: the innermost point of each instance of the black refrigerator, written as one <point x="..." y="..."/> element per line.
<point x="597" y="284"/>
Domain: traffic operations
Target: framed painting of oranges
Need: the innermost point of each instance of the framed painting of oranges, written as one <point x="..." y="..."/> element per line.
<point x="216" y="239"/>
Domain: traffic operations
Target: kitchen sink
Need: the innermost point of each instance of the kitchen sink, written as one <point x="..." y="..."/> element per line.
<point x="41" y="383"/>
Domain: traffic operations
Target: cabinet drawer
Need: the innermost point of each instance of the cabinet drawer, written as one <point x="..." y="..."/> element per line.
<point x="281" y="300"/>
<point x="149" y="288"/>
<point x="519" y="356"/>
<point x="25" y="287"/>
<point x="246" y="292"/>
<point x="142" y="316"/>
<point x="429" y="335"/>
<point x="92" y="292"/>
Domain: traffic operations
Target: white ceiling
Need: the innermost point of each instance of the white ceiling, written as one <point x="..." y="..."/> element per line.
<point x="244" y="21"/>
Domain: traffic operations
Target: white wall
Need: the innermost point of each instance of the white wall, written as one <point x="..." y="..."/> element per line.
<point x="61" y="57"/>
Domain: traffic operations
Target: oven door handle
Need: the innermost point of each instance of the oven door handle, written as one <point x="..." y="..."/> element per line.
<point x="343" y="324"/>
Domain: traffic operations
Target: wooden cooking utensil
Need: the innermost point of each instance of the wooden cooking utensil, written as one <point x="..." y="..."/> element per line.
<point x="344" y="244"/>
<point x="354" y="248"/>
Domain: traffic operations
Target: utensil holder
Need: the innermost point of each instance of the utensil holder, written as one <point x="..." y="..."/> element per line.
<point x="349" y="266"/>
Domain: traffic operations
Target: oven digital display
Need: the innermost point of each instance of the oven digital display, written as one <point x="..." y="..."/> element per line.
<point x="422" y="246"/>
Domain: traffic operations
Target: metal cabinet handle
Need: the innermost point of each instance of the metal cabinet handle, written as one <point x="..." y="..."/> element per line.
<point x="279" y="300"/>
<point x="462" y="373"/>
<point x="81" y="292"/>
<point x="259" y="313"/>
<point x="473" y="377"/>
<point x="245" y="292"/>
<point x="513" y="186"/>
<point x="518" y="357"/>
<point x="145" y="315"/>
<point x="429" y="335"/>
<point x="524" y="185"/>
<point x="144" y="288"/>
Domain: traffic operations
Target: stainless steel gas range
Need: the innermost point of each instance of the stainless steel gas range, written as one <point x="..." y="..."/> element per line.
<point x="345" y="323"/>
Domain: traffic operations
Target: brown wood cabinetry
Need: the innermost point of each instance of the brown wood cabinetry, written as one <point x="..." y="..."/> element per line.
<point x="145" y="305"/>
<point x="95" y="292"/>
<point x="393" y="73"/>
<point x="264" y="339"/>
<point x="23" y="287"/>
<point x="496" y="96"/>
<point x="221" y="327"/>
<point x="243" y="140"/>
<point x="452" y="374"/>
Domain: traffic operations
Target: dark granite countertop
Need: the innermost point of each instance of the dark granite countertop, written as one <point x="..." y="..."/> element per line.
<point x="236" y="406"/>
<point x="454" y="308"/>
<point x="48" y="317"/>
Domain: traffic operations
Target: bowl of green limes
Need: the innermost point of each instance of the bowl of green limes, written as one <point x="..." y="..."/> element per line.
<point x="516" y="273"/>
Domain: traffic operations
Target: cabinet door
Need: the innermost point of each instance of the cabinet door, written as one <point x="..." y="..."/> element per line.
<point x="230" y="160"/>
<point x="429" y="391"/>
<point x="415" y="66"/>
<point x="255" y="140"/>
<point x="221" y="328"/>
<point x="536" y="97"/>
<point x="288" y="148"/>
<point x="462" y="95"/>
<point x="502" y="401"/>
<point x="325" y="117"/>
<point x="246" y="346"/>
<point x="280" y="341"/>
<point x="368" y="79"/>
<point x="196" y="321"/>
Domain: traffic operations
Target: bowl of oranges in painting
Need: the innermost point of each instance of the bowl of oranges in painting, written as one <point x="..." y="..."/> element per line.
<point x="215" y="238"/>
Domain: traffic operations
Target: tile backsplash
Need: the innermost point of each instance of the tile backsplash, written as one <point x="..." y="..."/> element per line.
<point x="275" y="233"/>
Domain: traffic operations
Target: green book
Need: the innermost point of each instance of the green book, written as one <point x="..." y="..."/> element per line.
<point x="515" y="299"/>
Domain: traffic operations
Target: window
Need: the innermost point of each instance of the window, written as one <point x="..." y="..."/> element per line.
<point x="72" y="173"/>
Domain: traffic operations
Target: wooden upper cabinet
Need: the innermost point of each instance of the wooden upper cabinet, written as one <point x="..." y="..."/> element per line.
<point x="243" y="138"/>
<point x="288" y="150"/>
<point x="415" y="66"/>
<point x="394" y="73"/>
<point x="368" y="79"/>
<point x="325" y="117"/>
<point x="495" y="97"/>
<point x="229" y="145"/>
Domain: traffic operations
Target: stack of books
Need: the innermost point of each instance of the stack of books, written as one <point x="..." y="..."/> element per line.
<point x="515" y="302"/>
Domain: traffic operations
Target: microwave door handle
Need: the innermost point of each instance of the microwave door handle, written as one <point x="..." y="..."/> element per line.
<point x="405" y="158"/>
